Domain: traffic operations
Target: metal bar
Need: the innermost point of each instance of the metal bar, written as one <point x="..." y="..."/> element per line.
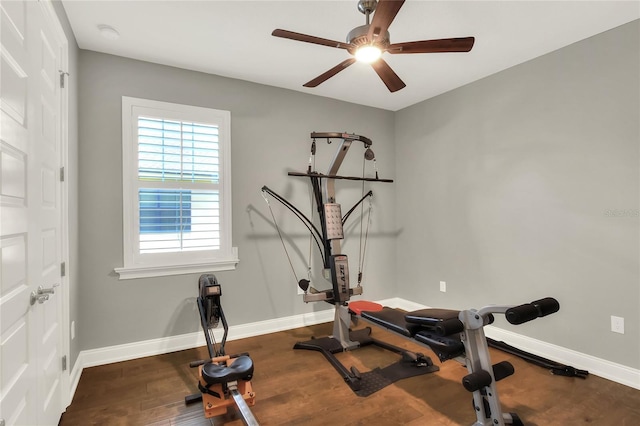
<point x="247" y="415"/>
<point x="320" y="175"/>
<point x="346" y="216"/>
<point x="477" y="359"/>
<point x="344" y="136"/>
<point x="291" y="207"/>
<point x="205" y="328"/>
<point x="225" y="326"/>
<point x="310" y="226"/>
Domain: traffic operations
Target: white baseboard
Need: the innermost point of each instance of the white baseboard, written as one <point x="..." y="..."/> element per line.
<point x="615" y="372"/>
<point x="165" y="345"/>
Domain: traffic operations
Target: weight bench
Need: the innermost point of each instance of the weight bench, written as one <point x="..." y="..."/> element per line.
<point x="452" y="334"/>
<point x="445" y="347"/>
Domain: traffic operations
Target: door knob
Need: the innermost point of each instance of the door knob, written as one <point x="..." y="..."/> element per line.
<point x="50" y="290"/>
<point x="41" y="295"/>
<point x="40" y="298"/>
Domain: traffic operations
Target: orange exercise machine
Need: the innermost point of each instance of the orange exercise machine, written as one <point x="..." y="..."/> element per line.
<point x="223" y="380"/>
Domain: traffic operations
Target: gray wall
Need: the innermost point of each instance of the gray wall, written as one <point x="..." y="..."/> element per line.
<point x="506" y="188"/>
<point x="270" y="135"/>
<point x="73" y="269"/>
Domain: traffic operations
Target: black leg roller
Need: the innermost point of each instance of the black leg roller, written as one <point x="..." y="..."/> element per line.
<point x="530" y="311"/>
<point x="459" y="335"/>
<point x="480" y="379"/>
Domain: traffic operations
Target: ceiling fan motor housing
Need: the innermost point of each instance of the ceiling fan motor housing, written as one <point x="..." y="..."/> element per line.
<point x="358" y="37"/>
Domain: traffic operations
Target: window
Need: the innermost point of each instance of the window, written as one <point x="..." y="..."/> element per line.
<point x="163" y="210"/>
<point x="176" y="189"/>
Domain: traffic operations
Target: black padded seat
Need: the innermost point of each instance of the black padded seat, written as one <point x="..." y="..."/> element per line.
<point x="391" y="319"/>
<point x="445" y="347"/>
<point x="241" y="369"/>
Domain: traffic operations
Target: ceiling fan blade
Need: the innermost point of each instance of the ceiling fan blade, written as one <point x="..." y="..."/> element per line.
<point x="463" y="44"/>
<point x="327" y="75"/>
<point x="385" y="12"/>
<point x="388" y="76"/>
<point x="309" y="39"/>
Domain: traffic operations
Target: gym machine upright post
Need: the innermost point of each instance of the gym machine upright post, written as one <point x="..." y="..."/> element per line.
<point x="223" y="380"/>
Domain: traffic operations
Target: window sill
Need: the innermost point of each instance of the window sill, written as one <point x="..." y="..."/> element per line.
<point x="130" y="273"/>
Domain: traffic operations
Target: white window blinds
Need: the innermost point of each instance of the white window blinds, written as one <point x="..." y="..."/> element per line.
<point x="171" y="150"/>
<point x="187" y="154"/>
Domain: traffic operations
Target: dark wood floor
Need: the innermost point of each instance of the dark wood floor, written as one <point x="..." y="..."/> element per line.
<point x="301" y="388"/>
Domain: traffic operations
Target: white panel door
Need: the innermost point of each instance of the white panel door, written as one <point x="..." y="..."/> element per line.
<point x="31" y="217"/>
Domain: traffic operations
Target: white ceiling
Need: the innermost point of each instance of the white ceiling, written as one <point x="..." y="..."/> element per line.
<point x="233" y="39"/>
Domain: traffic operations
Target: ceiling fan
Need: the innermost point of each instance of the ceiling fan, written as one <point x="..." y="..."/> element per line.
<point x="368" y="42"/>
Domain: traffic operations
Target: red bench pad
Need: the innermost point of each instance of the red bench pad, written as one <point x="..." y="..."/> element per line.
<point x="363" y="305"/>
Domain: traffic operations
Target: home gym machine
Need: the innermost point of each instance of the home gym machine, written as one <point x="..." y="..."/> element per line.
<point x="459" y="335"/>
<point x="223" y="379"/>
<point x="336" y="271"/>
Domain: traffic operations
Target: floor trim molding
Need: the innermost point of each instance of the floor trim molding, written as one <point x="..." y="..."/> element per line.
<point x="89" y="358"/>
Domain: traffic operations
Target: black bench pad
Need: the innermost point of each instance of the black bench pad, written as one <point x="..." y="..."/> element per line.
<point x="431" y="317"/>
<point x="445" y="347"/>
<point x="391" y="319"/>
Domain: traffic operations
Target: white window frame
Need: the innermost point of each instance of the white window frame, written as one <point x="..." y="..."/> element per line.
<point x="138" y="265"/>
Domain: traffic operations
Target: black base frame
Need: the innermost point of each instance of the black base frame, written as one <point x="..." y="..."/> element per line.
<point x="329" y="346"/>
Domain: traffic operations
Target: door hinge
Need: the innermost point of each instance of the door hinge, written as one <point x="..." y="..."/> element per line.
<point x="63" y="269"/>
<point x="61" y="174"/>
<point x="64" y="363"/>
<point x="62" y="74"/>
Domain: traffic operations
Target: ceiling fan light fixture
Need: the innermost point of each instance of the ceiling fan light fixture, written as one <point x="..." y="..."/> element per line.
<point x="368" y="54"/>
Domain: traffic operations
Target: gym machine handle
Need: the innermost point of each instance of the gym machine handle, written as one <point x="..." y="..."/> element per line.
<point x="530" y="311"/>
<point x="194" y="364"/>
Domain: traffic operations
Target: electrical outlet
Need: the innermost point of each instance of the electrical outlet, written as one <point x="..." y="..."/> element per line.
<point x="617" y="324"/>
<point x="73" y="330"/>
<point x="443" y="286"/>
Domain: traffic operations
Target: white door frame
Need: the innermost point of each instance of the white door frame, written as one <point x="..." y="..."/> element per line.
<point x="52" y="17"/>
